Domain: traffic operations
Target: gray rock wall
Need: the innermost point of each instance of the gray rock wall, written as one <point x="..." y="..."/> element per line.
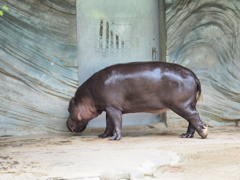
<point x="38" y="65"/>
<point x="205" y="37"/>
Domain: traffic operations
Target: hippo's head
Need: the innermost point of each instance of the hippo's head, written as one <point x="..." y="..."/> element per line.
<point x="80" y="115"/>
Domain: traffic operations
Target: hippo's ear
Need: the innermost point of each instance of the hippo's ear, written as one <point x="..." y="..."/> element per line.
<point x="72" y="100"/>
<point x="79" y="117"/>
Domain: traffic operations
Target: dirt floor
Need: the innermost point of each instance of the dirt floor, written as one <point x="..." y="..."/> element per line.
<point x="69" y="156"/>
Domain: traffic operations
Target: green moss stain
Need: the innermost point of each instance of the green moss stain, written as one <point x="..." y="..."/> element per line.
<point x="3" y="8"/>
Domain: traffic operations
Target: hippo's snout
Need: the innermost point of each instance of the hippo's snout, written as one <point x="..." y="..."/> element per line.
<point x="79" y="129"/>
<point x="75" y="126"/>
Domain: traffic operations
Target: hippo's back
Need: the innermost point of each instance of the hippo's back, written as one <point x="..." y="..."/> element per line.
<point x="139" y="83"/>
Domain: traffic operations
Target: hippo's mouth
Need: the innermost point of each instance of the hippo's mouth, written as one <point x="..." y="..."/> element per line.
<point x="79" y="129"/>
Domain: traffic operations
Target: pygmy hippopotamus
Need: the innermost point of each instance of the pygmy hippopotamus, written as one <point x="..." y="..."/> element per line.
<point x="151" y="87"/>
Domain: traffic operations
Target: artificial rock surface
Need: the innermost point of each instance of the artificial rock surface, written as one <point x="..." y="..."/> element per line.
<point x="204" y="36"/>
<point x="38" y="65"/>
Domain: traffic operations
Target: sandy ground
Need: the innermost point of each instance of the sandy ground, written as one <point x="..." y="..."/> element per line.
<point x="69" y="156"/>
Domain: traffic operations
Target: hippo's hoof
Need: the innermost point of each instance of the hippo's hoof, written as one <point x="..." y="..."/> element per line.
<point x="187" y="135"/>
<point x="203" y="132"/>
<point x="115" y="137"/>
<point x="105" y="134"/>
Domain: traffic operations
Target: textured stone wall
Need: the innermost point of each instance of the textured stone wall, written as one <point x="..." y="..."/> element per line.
<point x="205" y="37"/>
<point x="38" y="65"/>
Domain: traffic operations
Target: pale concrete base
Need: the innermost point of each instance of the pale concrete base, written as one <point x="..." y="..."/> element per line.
<point x="85" y="156"/>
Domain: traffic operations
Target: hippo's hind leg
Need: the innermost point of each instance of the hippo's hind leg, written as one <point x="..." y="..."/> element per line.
<point x="109" y="128"/>
<point x="195" y="123"/>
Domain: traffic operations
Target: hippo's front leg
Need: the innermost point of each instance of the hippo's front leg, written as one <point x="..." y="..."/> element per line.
<point x="115" y="116"/>
<point x="190" y="132"/>
<point x="109" y="128"/>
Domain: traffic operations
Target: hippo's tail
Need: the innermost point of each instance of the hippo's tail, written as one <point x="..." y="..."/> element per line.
<point x="199" y="90"/>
